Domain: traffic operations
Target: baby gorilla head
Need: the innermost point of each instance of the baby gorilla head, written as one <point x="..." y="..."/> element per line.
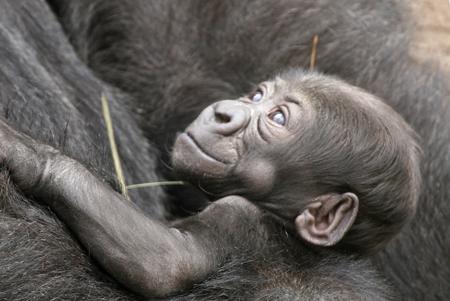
<point x="325" y="157"/>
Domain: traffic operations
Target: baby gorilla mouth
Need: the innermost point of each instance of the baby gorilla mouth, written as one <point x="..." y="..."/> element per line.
<point x="190" y="158"/>
<point x="201" y="149"/>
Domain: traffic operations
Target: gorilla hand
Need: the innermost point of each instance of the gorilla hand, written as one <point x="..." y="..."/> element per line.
<point x="28" y="161"/>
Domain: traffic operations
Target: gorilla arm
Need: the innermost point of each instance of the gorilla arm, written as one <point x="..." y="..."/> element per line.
<point x="145" y="255"/>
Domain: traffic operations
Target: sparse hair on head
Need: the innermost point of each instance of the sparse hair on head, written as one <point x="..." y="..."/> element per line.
<point x="359" y="144"/>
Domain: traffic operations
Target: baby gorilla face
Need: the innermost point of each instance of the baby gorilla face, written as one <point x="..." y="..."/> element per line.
<point x="234" y="146"/>
<point x="308" y="148"/>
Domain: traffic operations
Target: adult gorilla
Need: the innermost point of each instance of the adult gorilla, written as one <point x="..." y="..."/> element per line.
<point x="197" y="51"/>
<point x="49" y="94"/>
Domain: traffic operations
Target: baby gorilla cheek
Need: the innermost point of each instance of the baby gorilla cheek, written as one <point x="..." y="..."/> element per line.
<point x="257" y="176"/>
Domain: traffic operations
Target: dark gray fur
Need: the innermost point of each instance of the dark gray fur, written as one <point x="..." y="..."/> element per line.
<point x="364" y="43"/>
<point x="48" y="93"/>
<point x="193" y="51"/>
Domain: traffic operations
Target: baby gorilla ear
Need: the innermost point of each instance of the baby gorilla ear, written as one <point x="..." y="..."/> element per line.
<point x="325" y="221"/>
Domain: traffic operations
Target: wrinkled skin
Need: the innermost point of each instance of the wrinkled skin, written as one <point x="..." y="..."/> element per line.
<point x="243" y="138"/>
<point x="154" y="259"/>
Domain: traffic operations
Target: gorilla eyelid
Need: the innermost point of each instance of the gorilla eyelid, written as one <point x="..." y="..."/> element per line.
<point x="292" y="100"/>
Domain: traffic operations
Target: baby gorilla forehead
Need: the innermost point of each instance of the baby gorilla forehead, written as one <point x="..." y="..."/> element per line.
<point x="348" y="123"/>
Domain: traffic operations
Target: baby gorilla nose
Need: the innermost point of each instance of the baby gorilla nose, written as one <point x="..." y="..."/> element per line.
<point x="229" y="117"/>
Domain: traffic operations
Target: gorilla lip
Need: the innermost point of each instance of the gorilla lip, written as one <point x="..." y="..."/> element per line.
<point x="199" y="148"/>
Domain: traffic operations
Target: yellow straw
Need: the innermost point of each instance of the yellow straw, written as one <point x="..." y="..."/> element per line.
<point x="112" y="143"/>
<point x="312" y="63"/>
<point x="153" y="184"/>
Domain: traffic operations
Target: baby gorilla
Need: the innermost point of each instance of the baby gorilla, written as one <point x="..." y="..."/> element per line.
<point x="332" y="163"/>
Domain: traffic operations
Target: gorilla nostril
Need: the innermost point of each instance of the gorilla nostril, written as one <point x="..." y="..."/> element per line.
<point x="221" y="117"/>
<point x="227" y="117"/>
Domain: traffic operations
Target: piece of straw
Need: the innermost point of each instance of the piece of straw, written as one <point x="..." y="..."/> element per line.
<point x="154" y="184"/>
<point x="312" y="62"/>
<point x="112" y="144"/>
<point x="116" y="159"/>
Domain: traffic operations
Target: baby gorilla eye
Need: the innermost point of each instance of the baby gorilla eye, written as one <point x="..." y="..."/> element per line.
<point x="257" y="96"/>
<point x="278" y="117"/>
